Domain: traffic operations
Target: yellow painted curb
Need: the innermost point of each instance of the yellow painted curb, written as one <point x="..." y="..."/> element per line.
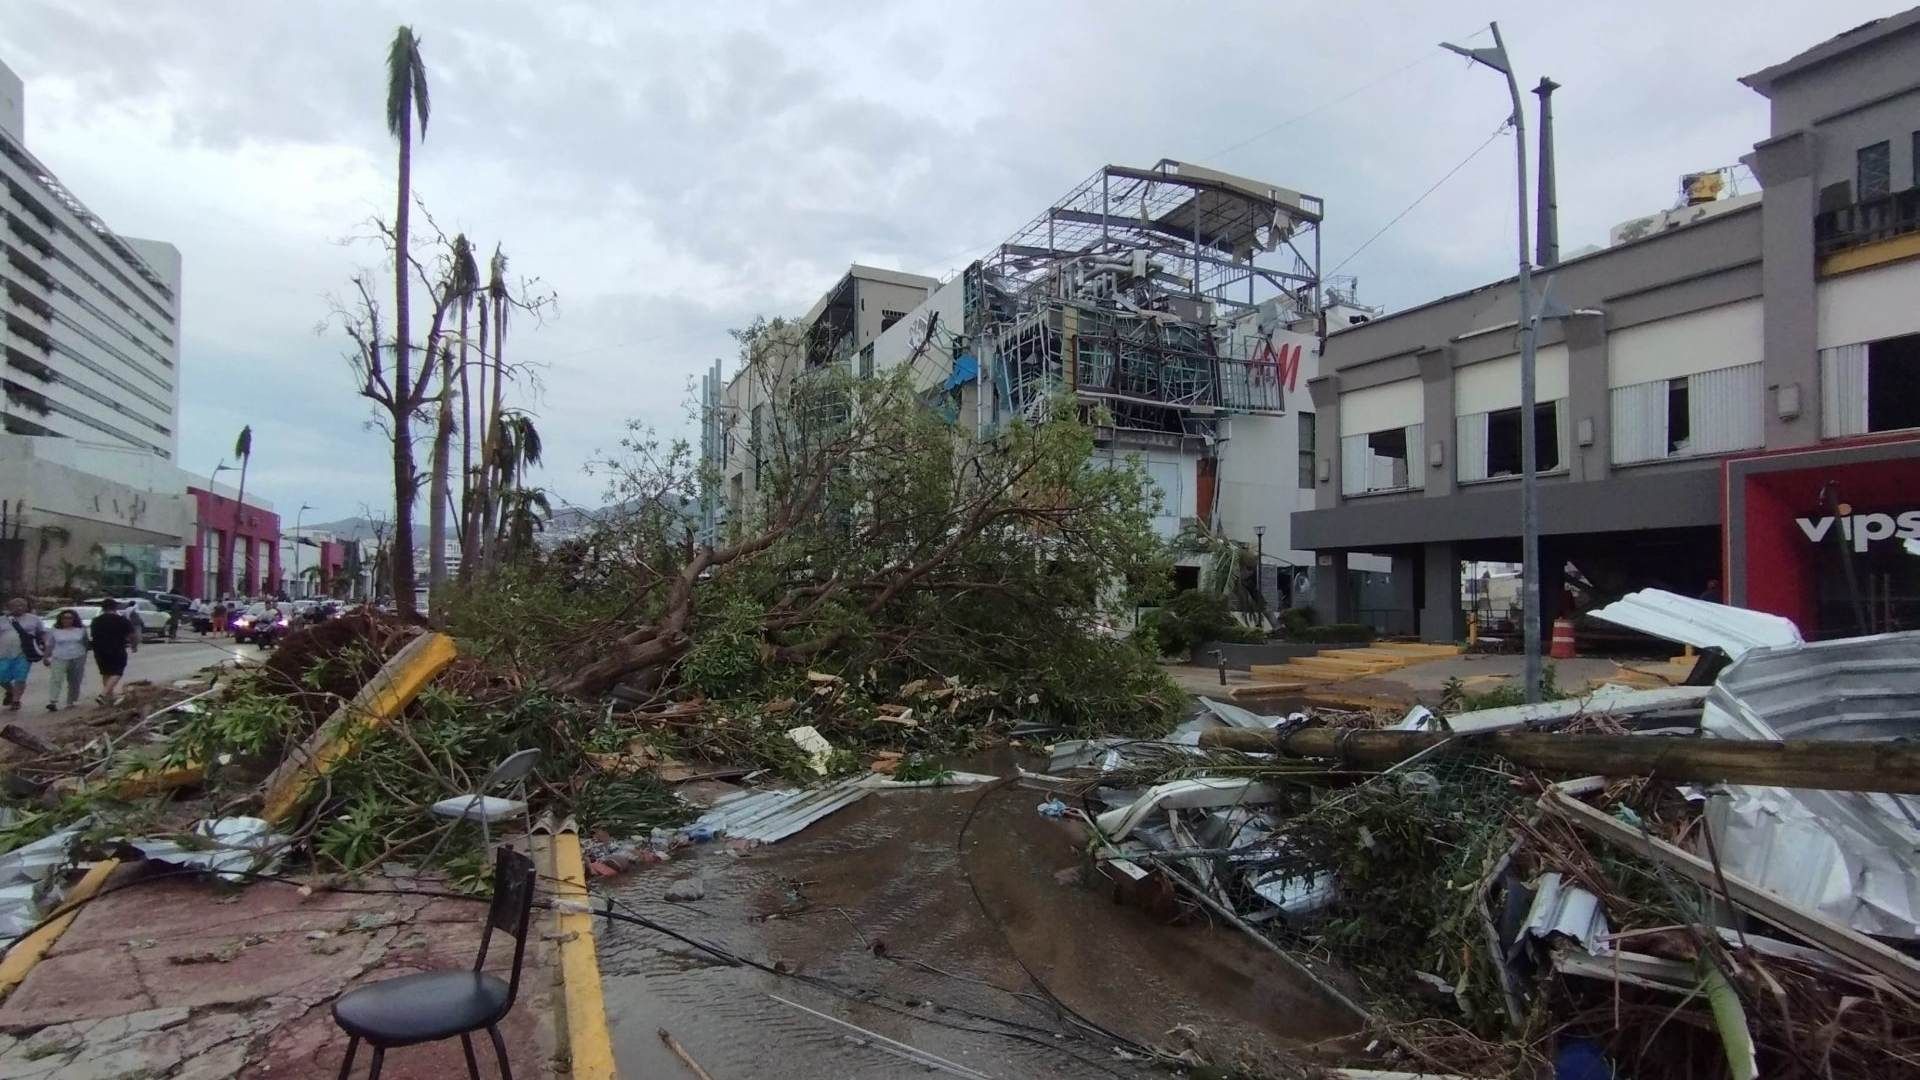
<point x="138" y="785"/>
<point x="397" y="683"/>
<point x="588" y="1044"/>
<point x="29" y="950"/>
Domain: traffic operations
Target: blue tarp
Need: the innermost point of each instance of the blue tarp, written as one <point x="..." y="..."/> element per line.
<point x="965" y="370"/>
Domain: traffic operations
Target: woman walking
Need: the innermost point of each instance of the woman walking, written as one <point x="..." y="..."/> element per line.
<point x="112" y="637"/>
<point x="67" y="646"/>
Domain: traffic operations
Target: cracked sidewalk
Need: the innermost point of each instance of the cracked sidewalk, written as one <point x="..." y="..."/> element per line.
<point x="187" y="980"/>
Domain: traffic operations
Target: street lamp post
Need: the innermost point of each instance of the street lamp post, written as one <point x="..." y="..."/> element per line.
<point x="296" y="546"/>
<point x="219" y="585"/>
<point x="1260" y="569"/>
<point x="1496" y="58"/>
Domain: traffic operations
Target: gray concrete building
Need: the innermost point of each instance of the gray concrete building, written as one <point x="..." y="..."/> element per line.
<point x="1730" y="376"/>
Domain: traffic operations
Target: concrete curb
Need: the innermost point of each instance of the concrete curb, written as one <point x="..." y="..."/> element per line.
<point x="589" y="1046"/>
<point x="29" y="950"/>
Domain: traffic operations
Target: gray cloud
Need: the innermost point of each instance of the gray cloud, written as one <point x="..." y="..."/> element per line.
<point x="672" y="172"/>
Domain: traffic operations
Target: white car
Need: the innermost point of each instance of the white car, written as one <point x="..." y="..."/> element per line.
<point x="153" y="621"/>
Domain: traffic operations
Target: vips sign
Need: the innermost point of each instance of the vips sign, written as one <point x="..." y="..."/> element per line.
<point x="1862" y="530"/>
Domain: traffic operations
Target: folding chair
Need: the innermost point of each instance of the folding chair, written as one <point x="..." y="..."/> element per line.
<point x="435" y="1005"/>
<point x="486" y="809"/>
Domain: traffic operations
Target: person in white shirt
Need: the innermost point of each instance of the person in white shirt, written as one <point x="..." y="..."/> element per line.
<point x="67" y="645"/>
<point x="21" y="643"/>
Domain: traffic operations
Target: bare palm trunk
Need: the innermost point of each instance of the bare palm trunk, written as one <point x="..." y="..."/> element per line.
<point x="233" y="534"/>
<point x="403" y="481"/>
<point x="437" y="488"/>
<point x="477" y="476"/>
<point x="491" y="552"/>
<point x="466" y="444"/>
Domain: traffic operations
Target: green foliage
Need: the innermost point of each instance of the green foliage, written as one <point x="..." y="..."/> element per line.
<point x="1193" y="617"/>
<point x="1455" y="697"/>
<point x="1407" y="850"/>
<point x="248" y="720"/>
<point x="1295" y="621"/>
<point x="376" y="809"/>
<point x="725" y="657"/>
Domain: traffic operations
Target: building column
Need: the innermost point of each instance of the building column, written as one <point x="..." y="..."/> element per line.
<point x="1403" y="583"/>
<point x="1589" y="440"/>
<point x="1786" y="165"/>
<point x="1333" y="599"/>
<point x="1435" y="459"/>
<point x="1441" y="618"/>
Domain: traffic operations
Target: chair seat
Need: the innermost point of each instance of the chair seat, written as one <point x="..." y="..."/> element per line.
<point x="489" y="808"/>
<point x="421" y="1008"/>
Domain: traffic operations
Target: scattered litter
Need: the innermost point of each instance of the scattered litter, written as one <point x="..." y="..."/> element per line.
<point x="1053" y="808"/>
<point x="819" y="750"/>
<point x="686" y="890"/>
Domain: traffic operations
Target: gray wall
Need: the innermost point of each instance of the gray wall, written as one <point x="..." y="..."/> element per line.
<point x="1713" y="262"/>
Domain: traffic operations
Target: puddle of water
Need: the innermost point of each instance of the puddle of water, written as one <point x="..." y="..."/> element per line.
<point x="887" y="873"/>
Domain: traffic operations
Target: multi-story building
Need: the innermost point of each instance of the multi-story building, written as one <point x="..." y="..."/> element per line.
<point x="1179" y="305"/>
<point x="1729" y="407"/>
<point x="89" y="384"/>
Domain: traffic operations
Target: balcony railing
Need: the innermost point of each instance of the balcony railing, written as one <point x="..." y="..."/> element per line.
<point x="1868" y="221"/>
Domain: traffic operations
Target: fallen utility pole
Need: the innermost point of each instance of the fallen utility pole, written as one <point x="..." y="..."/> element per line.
<point x="1831" y="765"/>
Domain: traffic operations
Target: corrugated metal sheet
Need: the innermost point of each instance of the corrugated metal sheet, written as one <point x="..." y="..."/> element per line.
<point x="1847" y="855"/>
<point x="767" y="816"/>
<point x="1699" y="623"/>
<point x="1560" y="907"/>
<point x="1606" y="701"/>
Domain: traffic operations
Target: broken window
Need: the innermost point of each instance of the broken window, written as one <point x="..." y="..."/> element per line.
<point x="1380" y="460"/>
<point x="866" y="361"/>
<point x="888" y="318"/>
<point x="1893" y="383"/>
<point x="1503" y="440"/>
<point x="1874" y="168"/>
<point x="1678" y="425"/>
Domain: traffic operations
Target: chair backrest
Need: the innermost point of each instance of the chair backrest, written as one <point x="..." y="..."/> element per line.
<point x="510" y="771"/>
<point x="512" y="908"/>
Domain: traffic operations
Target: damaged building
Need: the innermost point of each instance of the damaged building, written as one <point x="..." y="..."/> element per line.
<point x="1726" y="408"/>
<point x="1180" y="307"/>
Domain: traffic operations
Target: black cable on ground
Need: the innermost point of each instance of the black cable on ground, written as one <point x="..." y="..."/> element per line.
<point x="1065" y="1011"/>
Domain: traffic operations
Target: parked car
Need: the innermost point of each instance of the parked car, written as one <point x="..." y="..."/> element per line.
<point x="152" y="618"/>
<point x="262" y="624"/>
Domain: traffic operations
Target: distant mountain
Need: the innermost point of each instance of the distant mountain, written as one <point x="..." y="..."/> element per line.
<point x="357" y="528"/>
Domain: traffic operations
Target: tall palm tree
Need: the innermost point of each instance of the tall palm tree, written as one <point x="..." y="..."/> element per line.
<point x="517" y="450"/>
<point x="406" y="99"/>
<point x="497" y="293"/>
<point x="466" y="282"/>
<point x="242" y="449"/>
<point x="476" y="487"/>
<point x="523" y="512"/>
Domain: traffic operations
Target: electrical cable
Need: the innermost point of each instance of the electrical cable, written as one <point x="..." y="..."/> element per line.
<point x="1501" y="130"/>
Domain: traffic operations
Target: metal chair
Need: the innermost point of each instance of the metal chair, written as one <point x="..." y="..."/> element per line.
<point x="435" y="1005"/>
<point x="486" y="809"/>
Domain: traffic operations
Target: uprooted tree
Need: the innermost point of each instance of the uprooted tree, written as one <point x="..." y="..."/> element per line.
<point x="877" y="540"/>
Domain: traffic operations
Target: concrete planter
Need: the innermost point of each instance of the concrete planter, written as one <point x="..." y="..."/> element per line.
<point x="1242" y="656"/>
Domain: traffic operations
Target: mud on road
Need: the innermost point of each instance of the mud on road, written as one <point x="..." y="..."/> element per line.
<point x="884" y="901"/>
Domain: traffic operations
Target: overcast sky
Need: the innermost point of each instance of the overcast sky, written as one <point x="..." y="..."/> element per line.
<point x="671" y="171"/>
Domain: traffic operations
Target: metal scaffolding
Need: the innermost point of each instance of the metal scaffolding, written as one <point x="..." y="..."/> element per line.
<point x="1126" y="293"/>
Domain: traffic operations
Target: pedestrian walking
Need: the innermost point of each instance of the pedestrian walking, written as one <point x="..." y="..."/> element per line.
<point x="67" y="645"/>
<point x="113" y="638"/>
<point x="219" y="614"/>
<point x="21" y="644"/>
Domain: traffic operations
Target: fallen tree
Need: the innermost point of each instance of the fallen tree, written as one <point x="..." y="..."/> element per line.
<point x="884" y="543"/>
<point x="1798" y="763"/>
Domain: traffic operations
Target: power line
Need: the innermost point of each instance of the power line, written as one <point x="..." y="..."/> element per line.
<point x="1325" y="105"/>
<point x="1499" y="131"/>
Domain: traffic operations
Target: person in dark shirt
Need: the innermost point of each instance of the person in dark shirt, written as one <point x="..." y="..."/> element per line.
<point x="113" y="638"/>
